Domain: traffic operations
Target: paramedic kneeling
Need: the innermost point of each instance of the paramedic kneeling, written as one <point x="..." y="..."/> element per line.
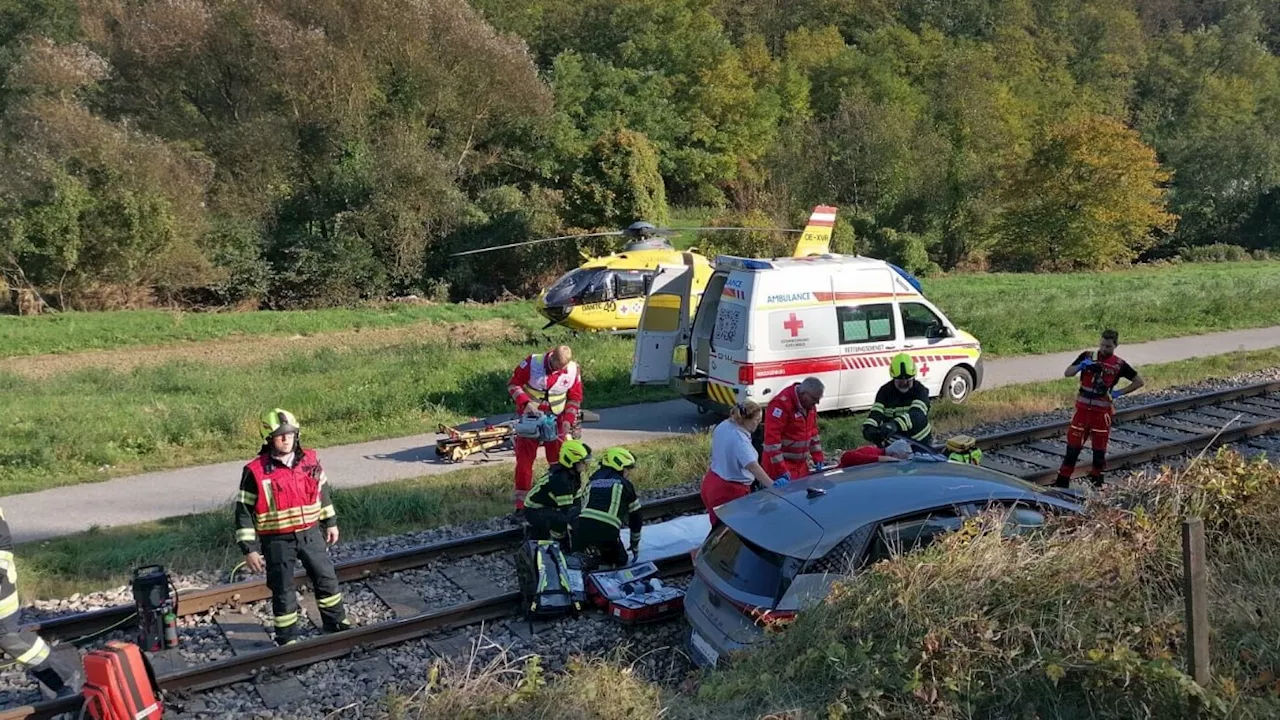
<point x="734" y="461"/>
<point x="610" y="502"/>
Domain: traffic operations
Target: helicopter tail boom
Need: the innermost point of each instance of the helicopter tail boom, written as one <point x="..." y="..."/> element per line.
<point x="816" y="239"/>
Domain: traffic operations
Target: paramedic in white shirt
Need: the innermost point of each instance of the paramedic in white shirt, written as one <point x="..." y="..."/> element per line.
<point x="734" y="461"/>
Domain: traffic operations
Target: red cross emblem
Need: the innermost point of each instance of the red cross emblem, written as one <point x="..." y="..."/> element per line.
<point x="793" y="324"/>
<point x="924" y="369"/>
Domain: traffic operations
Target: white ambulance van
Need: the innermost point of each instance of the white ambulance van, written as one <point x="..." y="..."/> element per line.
<point x="762" y="325"/>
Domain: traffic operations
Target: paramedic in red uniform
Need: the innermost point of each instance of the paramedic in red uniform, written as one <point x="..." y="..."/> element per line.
<point x="544" y="383"/>
<point x="1099" y="373"/>
<point x="791" y="431"/>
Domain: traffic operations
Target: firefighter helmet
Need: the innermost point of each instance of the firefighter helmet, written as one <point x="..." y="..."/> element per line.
<point x="574" y="451"/>
<point x="902" y="367"/>
<point x="278" y="422"/>
<point x="618" y="458"/>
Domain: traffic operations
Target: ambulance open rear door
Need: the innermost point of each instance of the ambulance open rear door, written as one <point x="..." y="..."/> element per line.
<point x="664" y="325"/>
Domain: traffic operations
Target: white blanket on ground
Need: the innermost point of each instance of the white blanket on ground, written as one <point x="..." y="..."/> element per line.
<point x="673" y="537"/>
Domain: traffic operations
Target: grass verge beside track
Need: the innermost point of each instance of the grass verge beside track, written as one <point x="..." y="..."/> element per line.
<point x="203" y="542"/>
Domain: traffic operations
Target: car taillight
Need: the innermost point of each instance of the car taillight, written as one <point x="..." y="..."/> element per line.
<point x="746" y="374"/>
<point x="764" y="616"/>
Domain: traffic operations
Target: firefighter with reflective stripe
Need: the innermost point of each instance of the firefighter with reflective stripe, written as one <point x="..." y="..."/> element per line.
<point x="901" y="407"/>
<point x="28" y="648"/>
<point x="552" y="503"/>
<point x="284" y="514"/>
<point x="791" y="431"/>
<point x="610" y="502"/>
<point x="544" y="383"/>
<point x="1095" y="405"/>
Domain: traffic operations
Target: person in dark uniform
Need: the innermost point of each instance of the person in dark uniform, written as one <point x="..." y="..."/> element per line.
<point x="552" y="502"/>
<point x="610" y="502"/>
<point x="901" y="407"/>
<point x="27" y="648"/>
<point x="284" y="514"/>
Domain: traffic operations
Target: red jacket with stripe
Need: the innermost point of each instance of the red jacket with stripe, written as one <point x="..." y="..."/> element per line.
<point x="790" y="435"/>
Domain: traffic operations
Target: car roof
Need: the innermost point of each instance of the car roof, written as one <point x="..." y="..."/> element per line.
<point x="857" y="496"/>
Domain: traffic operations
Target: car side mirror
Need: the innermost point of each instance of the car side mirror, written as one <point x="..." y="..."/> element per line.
<point x="941" y="331"/>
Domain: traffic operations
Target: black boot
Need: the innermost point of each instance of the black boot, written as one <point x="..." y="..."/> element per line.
<point x="1062" y="481"/>
<point x="54" y="685"/>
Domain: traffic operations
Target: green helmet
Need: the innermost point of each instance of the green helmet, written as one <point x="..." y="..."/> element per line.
<point x="574" y="451"/>
<point x="618" y="458"/>
<point x="902" y="367"/>
<point x="278" y="422"/>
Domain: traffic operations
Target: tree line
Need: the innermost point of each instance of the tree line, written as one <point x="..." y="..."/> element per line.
<point x="293" y="154"/>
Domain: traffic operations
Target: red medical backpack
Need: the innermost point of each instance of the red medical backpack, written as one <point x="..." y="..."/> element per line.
<point x="120" y="684"/>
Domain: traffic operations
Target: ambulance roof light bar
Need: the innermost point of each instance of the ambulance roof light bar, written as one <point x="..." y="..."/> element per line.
<point x="738" y="263"/>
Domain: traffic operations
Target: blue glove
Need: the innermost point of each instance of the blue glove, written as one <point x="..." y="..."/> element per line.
<point x="1086" y="362"/>
<point x="1115" y="394"/>
<point x="819" y="467"/>
<point x="782" y="480"/>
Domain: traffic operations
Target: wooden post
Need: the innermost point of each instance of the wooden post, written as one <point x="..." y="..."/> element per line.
<point x="1195" y="594"/>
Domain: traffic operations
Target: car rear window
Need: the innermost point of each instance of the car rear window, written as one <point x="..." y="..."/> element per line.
<point x="743" y="565"/>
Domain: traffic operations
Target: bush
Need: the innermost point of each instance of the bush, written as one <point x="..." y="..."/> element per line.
<point x="1217" y="252"/>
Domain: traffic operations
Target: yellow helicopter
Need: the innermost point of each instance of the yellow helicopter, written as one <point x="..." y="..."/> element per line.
<point x="607" y="294"/>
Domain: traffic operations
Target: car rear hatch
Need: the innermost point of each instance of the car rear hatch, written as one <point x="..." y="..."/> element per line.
<point x="748" y="564"/>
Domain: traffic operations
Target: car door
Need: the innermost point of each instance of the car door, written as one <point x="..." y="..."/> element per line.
<point x="922" y="329"/>
<point x="868" y="337"/>
<point x="913" y="532"/>
<point x="664" y="324"/>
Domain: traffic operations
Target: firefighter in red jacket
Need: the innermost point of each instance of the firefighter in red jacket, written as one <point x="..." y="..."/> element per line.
<point x="791" y="430"/>
<point x="284" y="514"/>
<point x="544" y="383"/>
<point x="1095" y="405"/>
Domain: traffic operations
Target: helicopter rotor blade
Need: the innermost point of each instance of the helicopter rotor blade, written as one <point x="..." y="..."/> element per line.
<point x="534" y="242"/>
<point x="725" y="229"/>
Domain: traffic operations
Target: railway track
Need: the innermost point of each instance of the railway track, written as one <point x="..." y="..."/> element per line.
<point x="1140" y="435"/>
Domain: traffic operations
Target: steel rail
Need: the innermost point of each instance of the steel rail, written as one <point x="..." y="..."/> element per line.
<point x="246" y="667"/>
<point x="194" y="602"/>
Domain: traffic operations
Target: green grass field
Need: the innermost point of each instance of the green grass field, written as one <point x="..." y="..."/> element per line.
<point x="203" y="542"/>
<point x="1011" y="314"/>
<point x="93" y="421"/>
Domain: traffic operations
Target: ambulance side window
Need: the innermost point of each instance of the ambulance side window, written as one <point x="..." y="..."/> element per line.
<point x="866" y="323"/>
<point x="918" y="321"/>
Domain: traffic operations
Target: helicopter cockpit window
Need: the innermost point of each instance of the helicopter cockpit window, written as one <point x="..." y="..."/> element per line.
<point x="632" y="283"/>
<point x="581" y="286"/>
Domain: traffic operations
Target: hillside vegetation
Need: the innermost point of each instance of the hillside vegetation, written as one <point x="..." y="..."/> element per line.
<point x="1083" y="621"/>
<point x="327" y="153"/>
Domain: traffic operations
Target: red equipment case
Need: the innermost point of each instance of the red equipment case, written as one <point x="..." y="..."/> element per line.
<point x="120" y="684"/>
<point x="627" y="595"/>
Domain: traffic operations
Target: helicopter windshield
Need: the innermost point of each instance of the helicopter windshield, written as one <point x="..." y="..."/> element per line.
<point x="581" y="286"/>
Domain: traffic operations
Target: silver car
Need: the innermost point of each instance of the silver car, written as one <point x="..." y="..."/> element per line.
<point x="779" y="551"/>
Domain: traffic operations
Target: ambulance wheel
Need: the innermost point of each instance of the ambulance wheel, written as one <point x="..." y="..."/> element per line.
<point x="957" y="386"/>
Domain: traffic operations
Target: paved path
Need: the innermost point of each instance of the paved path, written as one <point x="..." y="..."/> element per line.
<point x="141" y="498"/>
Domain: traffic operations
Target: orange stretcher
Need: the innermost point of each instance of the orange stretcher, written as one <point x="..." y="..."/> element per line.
<point x="483" y="436"/>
